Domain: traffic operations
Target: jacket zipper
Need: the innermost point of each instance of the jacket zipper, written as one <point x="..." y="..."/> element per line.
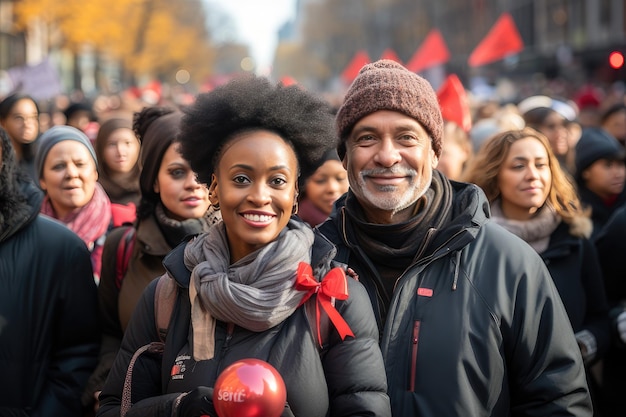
<point x="230" y="328"/>
<point x="414" y="341"/>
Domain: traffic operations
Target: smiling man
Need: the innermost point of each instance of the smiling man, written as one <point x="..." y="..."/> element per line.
<point x="468" y="315"/>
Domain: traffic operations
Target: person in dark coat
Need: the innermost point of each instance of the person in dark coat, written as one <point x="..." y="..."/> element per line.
<point x="611" y="245"/>
<point x="531" y="196"/>
<point x="600" y="175"/>
<point x="49" y="330"/>
<point x="470" y="319"/>
<point x="242" y="284"/>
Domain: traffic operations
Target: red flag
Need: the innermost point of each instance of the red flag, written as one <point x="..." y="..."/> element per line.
<point x="390" y="54"/>
<point x="433" y="51"/>
<point x="287" y="80"/>
<point x="502" y="40"/>
<point x="352" y="70"/>
<point x="454" y="102"/>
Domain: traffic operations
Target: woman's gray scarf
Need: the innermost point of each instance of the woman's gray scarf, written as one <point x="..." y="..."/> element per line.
<point x="536" y="231"/>
<point x="256" y="293"/>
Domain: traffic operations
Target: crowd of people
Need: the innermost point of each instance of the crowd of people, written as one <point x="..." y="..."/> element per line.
<point x="456" y="268"/>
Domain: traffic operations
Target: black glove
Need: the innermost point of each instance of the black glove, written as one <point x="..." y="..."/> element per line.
<point x="196" y="403"/>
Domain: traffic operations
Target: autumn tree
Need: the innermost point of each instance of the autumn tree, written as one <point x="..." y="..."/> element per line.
<point x="147" y="37"/>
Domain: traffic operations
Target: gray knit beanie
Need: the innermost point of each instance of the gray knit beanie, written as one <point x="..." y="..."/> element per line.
<point x="387" y="85"/>
<point x="58" y="134"/>
<point x="594" y="144"/>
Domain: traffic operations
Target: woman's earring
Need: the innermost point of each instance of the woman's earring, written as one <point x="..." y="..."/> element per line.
<point x="214" y="201"/>
<point x="294" y="209"/>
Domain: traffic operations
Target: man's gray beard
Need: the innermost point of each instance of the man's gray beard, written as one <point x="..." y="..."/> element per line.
<point x="396" y="203"/>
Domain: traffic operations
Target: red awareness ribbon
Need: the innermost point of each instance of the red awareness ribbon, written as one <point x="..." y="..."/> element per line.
<point x="333" y="286"/>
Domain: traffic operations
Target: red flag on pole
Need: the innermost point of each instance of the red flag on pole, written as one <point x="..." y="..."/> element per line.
<point x="390" y="54"/>
<point x="352" y="70"/>
<point x="454" y="103"/>
<point x="433" y="51"/>
<point x="502" y="40"/>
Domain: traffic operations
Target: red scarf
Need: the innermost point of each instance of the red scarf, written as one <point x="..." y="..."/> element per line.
<point x="89" y="223"/>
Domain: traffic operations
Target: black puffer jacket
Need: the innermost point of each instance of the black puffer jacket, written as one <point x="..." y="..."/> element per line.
<point x="49" y="331"/>
<point x="475" y="325"/>
<point x="346" y="379"/>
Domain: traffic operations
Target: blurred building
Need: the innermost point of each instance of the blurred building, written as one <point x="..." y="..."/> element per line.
<point x="561" y="37"/>
<point x="556" y="33"/>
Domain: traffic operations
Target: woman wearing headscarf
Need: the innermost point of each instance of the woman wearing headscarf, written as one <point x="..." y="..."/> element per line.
<point x="67" y="168"/>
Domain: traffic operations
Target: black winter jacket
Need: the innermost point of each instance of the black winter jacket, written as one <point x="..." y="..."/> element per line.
<point x="49" y="331"/>
<point x="346" y="379"/>
<point x="600" y="211"/>
<point x="475" y="326"/>
<point x="575" y="270"/>
<point x="611" y="246"/>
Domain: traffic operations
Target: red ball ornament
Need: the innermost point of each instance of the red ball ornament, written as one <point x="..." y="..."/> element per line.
<point x="249" y="388"/>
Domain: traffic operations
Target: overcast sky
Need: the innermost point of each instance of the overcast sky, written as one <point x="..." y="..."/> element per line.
<point x="257" y="23"/>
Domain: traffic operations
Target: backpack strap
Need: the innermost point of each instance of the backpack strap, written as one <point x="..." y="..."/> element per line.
<point x="164" y="300"/>
<point x="124" y="251"/>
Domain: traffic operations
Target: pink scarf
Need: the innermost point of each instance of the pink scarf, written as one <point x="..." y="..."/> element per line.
<point x="90" y="223"/>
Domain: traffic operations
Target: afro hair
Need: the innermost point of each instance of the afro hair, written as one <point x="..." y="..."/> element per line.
<point x="302" y="119"/>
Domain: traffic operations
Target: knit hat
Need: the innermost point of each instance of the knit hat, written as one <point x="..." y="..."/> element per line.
<point x="594" y="144"/>
<point x="387" y="85"/>
<point x="58" y="134"/>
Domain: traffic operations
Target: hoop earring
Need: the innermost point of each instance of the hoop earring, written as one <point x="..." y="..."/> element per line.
<point x="295" y="209"/>
<point x="216" y="206"/>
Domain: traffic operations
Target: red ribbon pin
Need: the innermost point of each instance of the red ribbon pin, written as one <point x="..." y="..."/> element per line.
<point x="333" y="286"/>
